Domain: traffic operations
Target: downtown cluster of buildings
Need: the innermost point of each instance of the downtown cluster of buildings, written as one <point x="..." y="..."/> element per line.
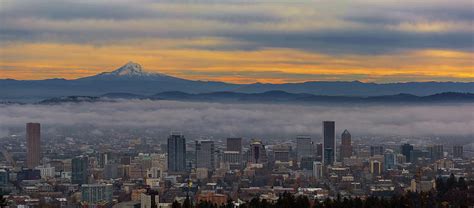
<point x="139" y="173"/>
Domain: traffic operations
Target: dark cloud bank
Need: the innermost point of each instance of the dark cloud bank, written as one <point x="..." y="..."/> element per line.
<point x="248" y="120"/>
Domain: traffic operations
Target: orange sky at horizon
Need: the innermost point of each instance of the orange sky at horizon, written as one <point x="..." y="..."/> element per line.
<point x="33" y="61"/>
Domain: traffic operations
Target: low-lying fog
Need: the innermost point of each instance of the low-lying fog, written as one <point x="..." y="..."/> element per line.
<point x="246" y="119"/>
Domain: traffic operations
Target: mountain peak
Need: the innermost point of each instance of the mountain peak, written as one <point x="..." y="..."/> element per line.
<point x="130" y="69"/>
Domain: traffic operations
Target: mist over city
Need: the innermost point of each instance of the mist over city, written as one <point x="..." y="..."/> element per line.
<point x="244" y="120"/>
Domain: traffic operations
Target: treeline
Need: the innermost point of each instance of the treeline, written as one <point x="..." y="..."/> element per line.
<point x="449" y="193"/>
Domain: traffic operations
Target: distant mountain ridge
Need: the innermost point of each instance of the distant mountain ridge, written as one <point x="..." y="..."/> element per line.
<point x="270" y="97"/>
<point x="133" y="79"/>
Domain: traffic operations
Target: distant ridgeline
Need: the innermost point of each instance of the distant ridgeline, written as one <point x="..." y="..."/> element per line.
<point x="133" y="82"/>
<point x="267" y="97"/>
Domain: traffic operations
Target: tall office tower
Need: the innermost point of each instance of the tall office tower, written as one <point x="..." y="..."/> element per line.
<point x="234" y="144"/>
<point x="346" y="144"/>
<point x="375" y="167"/>
<point x="458" y="151"/>
<point x="205" y="154"/>
<point x="389" y="160"/>
<point x="176" y="153"/>
<point x="80" y="170"/>
<point x="33" y="143"/>
<point x="436" y="152"/>
<point x="406" y="150"/>
<point x="304" y="147"/>
<point x="376" y="150"/>
<point x="258" y="153"/>
<point x="97" y="195"/>
<point x="329" y="142"/>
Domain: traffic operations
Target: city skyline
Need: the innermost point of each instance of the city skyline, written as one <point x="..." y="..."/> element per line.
<point x="236" y="104"/>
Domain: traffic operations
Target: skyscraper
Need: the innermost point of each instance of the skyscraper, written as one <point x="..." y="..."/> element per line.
<point x="329" y="142"/>
<point x="234" y="144"/>
<point x="80" y="170"/>
<point x="389" y="160"/>
<point x="205" y="154"/>
<point x="406" y="150"/>
<point x="33" y="143"/>
<point x="458" y="151"/>
<point x="304" y="147"/>
<point x="346" y="144"/>
<point x="176" y="153"/>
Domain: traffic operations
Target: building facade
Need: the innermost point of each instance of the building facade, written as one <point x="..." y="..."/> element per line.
<point x="33" y="143"/>
<point x="329" y="142"/>
<point x="176" y="153"/>
<point x="346" y="144"/>
<point x="205" y="154"/>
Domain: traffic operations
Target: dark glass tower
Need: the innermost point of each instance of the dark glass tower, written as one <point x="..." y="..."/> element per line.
<point x="329" y="142"/>
<point x="406" y="150"/>
<point x="176" y="153"/>
<point x="80" y="170"/>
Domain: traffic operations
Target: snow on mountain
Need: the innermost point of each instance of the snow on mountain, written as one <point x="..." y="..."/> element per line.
<point x="129" y="71"/>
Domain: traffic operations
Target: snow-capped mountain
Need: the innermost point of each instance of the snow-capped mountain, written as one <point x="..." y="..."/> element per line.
<point x="130" y="71"/>
<point x="132" y="78"/>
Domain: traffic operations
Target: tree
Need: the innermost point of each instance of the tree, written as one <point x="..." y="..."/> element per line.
<point x="176" y="204"/>
<point x="3" y="201"/>
<point x="187" y="203"/>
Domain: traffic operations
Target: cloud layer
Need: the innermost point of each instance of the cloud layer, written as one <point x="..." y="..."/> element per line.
<point x="210" y="37"/>
<point x="247" y="120"/>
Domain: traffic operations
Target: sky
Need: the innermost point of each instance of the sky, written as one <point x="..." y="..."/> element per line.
<point x="244" y="120"/>
<point x="241" y="41"/>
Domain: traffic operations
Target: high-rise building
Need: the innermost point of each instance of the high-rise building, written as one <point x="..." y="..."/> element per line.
<point x="233" y="159"/>
<point x="389" y="160"/>
<point x="415" y="155"/>
<point x="376" y="150"/>
<point x="346" y="144"/>
<point x="436" y="152"/>
<point x="96" y="194"/>
<point x="304" y="147"/>
<point x="234" y="144"/>
<point x="80" y="170"/>
<point x="406" y="150"/>
<point x="33" y="144"/>
<point x="329" y="142"/>
<point x="257" y="152"/>
<point x="317" y="170"/>
<point x="282" y="152"/>
<point x="205" y="154"/>
<point x="458" y="151"/>
<point x="319" y="151"/>
<point x="375" y="167"/>
<point x="176" y="153"/>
